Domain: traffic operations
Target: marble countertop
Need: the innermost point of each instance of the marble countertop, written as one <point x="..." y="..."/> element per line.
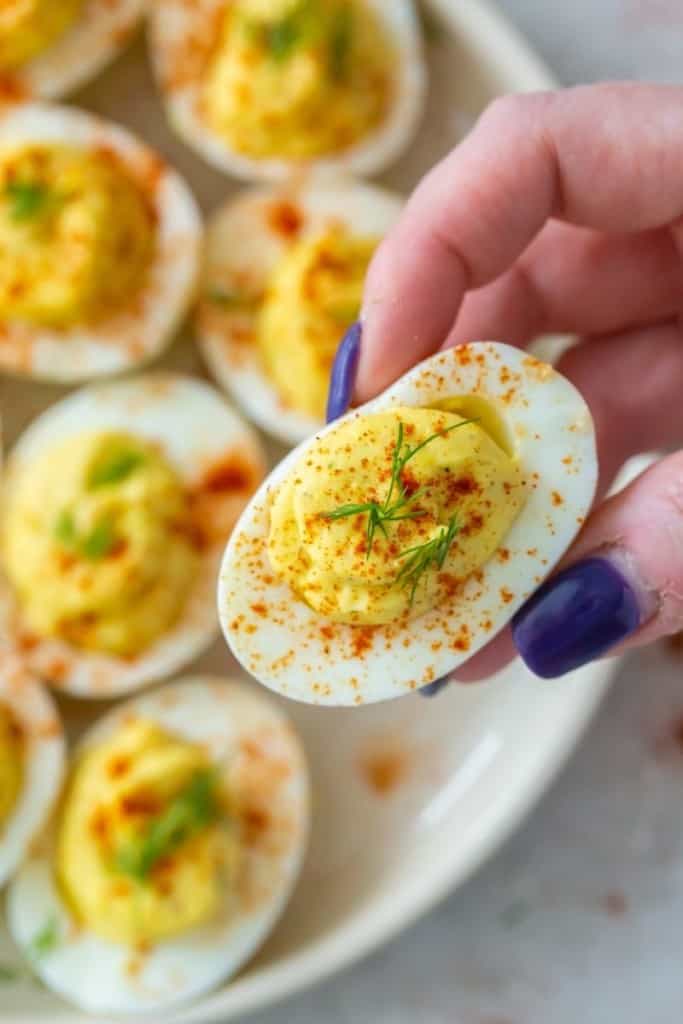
<point x="579" y="916"/>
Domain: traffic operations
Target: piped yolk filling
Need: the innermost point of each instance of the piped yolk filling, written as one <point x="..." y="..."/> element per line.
<point x="367" y="533"/>
<point x="29" y="27"/>
<point x="313" y="296"/>
<point x="77" y="235"/>
<point x="144" y="847"/>
<point x="98" y="542"/>
<point x="298" y="79"/>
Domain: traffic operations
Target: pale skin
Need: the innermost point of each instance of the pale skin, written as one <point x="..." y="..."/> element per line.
<point x="561" y="212"/>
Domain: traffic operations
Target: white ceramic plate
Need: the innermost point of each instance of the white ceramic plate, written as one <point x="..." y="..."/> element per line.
<point x="410" y="796"/>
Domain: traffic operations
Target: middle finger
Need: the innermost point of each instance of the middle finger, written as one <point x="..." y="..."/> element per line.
<point x="575" y="280"/>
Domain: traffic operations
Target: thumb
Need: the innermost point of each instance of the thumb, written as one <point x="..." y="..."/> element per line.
<point x="624" y="586"/>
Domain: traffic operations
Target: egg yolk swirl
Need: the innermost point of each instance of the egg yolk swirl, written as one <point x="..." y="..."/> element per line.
<point x="314" y="294"/>
<point x="438" y="515"/>
<point x="76" y="235"/>
<point x="29" y="27"/>
<point x="98" y="542"/>
<point x="298" y="78"/>
<point x="144" y="849"/>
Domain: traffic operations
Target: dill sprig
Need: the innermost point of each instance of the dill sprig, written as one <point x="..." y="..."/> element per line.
<point x="397" y="504"/>
<point x="193" y="809"/>
<point x="421" y="558"/>
<point x="45" y="940"/>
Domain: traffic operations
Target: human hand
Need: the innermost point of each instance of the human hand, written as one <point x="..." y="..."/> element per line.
<point x="560" y="213"/>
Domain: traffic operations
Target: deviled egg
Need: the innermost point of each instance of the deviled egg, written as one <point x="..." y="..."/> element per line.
<point x="179" y="838"/>
<point x="390" y="547"/>
<point x="99" y="246"/>
<point x="283" y="279"/>
<point x="257" y="86"/>
<point x="116" y="505"/>
<point x="50" y="47"/>
<point x="31" y="761"/>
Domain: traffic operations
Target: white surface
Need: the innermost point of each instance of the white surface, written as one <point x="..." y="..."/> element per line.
<point x="613" y="823"/>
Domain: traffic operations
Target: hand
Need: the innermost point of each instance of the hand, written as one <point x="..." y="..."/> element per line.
<point x="561" y="212"/>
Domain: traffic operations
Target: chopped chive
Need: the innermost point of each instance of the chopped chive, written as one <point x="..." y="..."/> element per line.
<point x="192" y="810"/>
<point x="114" y="469"/>
<point x="45" y="940"/>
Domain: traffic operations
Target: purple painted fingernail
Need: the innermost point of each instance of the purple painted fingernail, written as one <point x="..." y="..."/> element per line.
<point x="343" y="378"/>
<point x="432" y="689"/>
<point x="581" y="614"/>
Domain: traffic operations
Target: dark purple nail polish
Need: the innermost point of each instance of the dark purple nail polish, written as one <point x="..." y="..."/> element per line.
<point x="577" y="616"/>
<point x="432" y="689"/>
<point x="343" y="378"/>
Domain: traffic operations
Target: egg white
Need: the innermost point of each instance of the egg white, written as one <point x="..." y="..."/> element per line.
<point x="100" y="33"/>
<point x="293" y="650"/>
<point x="196" y="430"/>
<point x="243" y="243"/>
<point x="230" y="717"/>
<point x="44" y="753"/>
<point x="175" y="22"/>
<point x="134" y="334"/>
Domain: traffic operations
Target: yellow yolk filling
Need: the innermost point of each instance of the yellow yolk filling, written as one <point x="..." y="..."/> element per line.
<point x="11" y="764"/>
<point x="299" y="78"/>
<point x="144" y="847"/>
<point x="313" y="296"/>
<point x="450" y="509"/>
<point x="29" y="27"/>
<point x="76" y="235"/>
<point x="98" y="543"/>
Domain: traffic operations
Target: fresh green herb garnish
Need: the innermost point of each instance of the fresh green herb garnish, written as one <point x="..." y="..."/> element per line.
<point x="283" y="37"/>
<point x="65" y="529"/>
<point x="341" y="38"/>
<point x="431" y="26"/>
<point x="191" y="811"/>
<point x="94" y="545"/>
<point x="27" y="199"/>
<point x="234" y="300"/>
<point x="397" y="504"/>
<point x="99" y="542"/>
<point x="422" y="557"/>
<point x="115" y="469"/>
<point x="46" y="940"/>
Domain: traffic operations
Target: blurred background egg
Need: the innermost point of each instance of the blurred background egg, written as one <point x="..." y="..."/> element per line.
<point x="116" y="505"/>
<point x="356" y="574"/>
<point x="180" y="836"/>
<point x="260" y="86"/>
<point x="99" y="246"/>
<point x="50" y="47"/>
<point x="283" y="279"/>
<point x="31" y="761"/>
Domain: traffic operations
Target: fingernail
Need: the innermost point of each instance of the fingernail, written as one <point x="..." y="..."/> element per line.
<point x="581" y="614"/>
<point x="343" y="377"/>
<point x="432" y="689"/>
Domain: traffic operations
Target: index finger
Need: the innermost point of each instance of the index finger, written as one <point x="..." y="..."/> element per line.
<point x="608" y="157"/>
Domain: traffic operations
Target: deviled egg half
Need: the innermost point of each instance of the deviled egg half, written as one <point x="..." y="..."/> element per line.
<point x="257" y="86"/>
<point x="116" y="505"/>
<point x="99" y="246"/>
<point x="31" y="761"/>
<point x="178" y="840"/>
<point x="283" y="279"/>
<point x="390" y="547"/>
<point x="50" y="47"/>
